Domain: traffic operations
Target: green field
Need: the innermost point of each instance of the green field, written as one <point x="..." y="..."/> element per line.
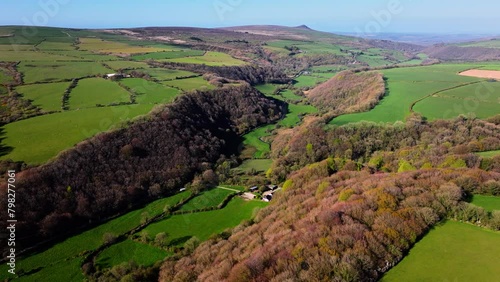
<point x="206" y="199"/>
<point x="56" y="71"/>
<point x="54" y="258"/>
<point x="295" y="114"/>
<point x="168" y="55"/>
<point x="166" y="74"/>
<point x="46" y="96"/>
<point x="253" y="139"/>
<point x="38" y="139"/>
<point x="92" y="91"/>
<point x="259" y="165"/>
<point x="289" y="95"/>
<point x="210" y="59"/>
<point x="149" y="92"/>
<point x="406" y="86"/>
<point x="189" y="83"/>
<point x="55" y="46"/>
<point x="308" y="80"/>
<point x="113" y="47"/>
<point x="203" y="224"/>
<point x="453" y="251"/>
<point x="489" y="154"/>
<point x="128" y="250"/>
<point x="489" y="203"/>
<point x="494" y="43"/>
<point x="116" y="65"/>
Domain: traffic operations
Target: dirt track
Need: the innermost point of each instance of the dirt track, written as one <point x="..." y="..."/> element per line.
<point x="482" y="74"/>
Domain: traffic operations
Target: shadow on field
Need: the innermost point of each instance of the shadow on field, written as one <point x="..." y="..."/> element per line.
<point x="179" y="241"/>
<point x="4" y="150"/>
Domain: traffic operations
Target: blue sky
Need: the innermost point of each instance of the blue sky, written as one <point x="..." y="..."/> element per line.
<point x="429" y="16"/>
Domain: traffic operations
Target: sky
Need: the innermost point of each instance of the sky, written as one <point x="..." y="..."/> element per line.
<point x="354" y="16"/>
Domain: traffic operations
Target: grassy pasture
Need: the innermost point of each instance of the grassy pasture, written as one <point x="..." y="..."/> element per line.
<point x="149" y="92"/>
<point x="453" y="251"/>
<point x="116" y="65"/>
<point x="259" y="165"/>
<point x="168" y="55"/>
<point x="15" y="48"/>
<point x="289" y="95"/>
<point x="253" y="139"/>
<point x="35" y="140"/>
<point x="210" y="59"/>
<point x="203" y="224"/>
<point x="489" y="154"/>
<point x="295" y="113"/>
<point x="61" y="271"/>
<point x="129" y="250"/>
<point x="189" y="83"/>
<point x="5" y="77"/>
<point x="83" y="55"/>
<point x="166" y="74"/>
<point x="486" y="44"/>
<point x="206" y="199"/>
<point x="15" y="56"/>
<point x="104" y="46"/>
<point x="92" y="91"/>
<point x="309" y="81"/>
<point x="489" y="203"/>
<point x="55" y="46"/>
<point x="408" y="85"/>
<point x="54" y="258"/>
<point x="54" y="71"/>
<point x="46" y="96"/>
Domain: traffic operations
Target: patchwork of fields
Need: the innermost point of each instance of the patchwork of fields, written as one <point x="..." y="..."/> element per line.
<point x="63" y="261"/>
<point x="62" y="72"/>
<point x="437" y="92"/>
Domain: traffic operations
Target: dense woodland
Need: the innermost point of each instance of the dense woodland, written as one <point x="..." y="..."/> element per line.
<point x="114" y="171"/>
<point x="348" y="226"/>
<point x="349" y="92"/>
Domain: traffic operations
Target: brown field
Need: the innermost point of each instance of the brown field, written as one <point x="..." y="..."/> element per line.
<point x="482" y="74"/>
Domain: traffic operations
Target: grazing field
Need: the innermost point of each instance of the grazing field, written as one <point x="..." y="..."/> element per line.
<point x="206" y="199"/>
<point x="494" y="43"/>
<point x="149" y="92"/>
<point x="4" y="76"/>
<point x="54" y="258"/>
<point x="55" y="46"/>
<point x="295" y="114"/>
<point x="167" y="74"/>
<point x="68" y="270"/>
<point x="203" y="224"/>
<point x="289" y="95"/>
<point x="210" y="59"/>
<point x="113" y="47"/>
<point x="489" y="154"/>
<point x="189" y="83"/>
<point x="38" y="139"/>
<point x="309" y="81"/>
<point x="489" y="203"/>
<point x="90" y="92"/>
<point x="406" y="86"/>
<point x="258" y="165"/>
<point x="16" y="56"/>
<point x="55" y="71"/>
<point x="116" y="65"/>
<point x="254" y="139"/>
<point x="129" y="250"/>
<point x="168" y="55"/>
<point x="46" y="96"/>
<point x="453" y="251"/>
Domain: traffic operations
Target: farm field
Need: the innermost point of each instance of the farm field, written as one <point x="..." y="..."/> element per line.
<point x="54" y="258"/>
<point x="210" y="59"/>
<point x="46" y="96"/>
<point x="486" y="44"/>
<point x="489" y="154"/>
<point x="113" y="47"/>
<point x="406" y="86"/>
<point x="149" y="92"/>
<point x="453" y="251"/>
<point x="489" y="203"/>
<point x="168" y="55"/>
<point x="203" y="224"/>
<point x="56" y="71"/>
<point x="188" y="84"/>
<point x="259" y="165"/>
<point x="129" y="250"/>
<point x="35" y="141"/>
<point x="206" y="199"/>
<point x="162" y="74"/>
<point x="90" y="92"/>
<point x="116" y="65"/>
